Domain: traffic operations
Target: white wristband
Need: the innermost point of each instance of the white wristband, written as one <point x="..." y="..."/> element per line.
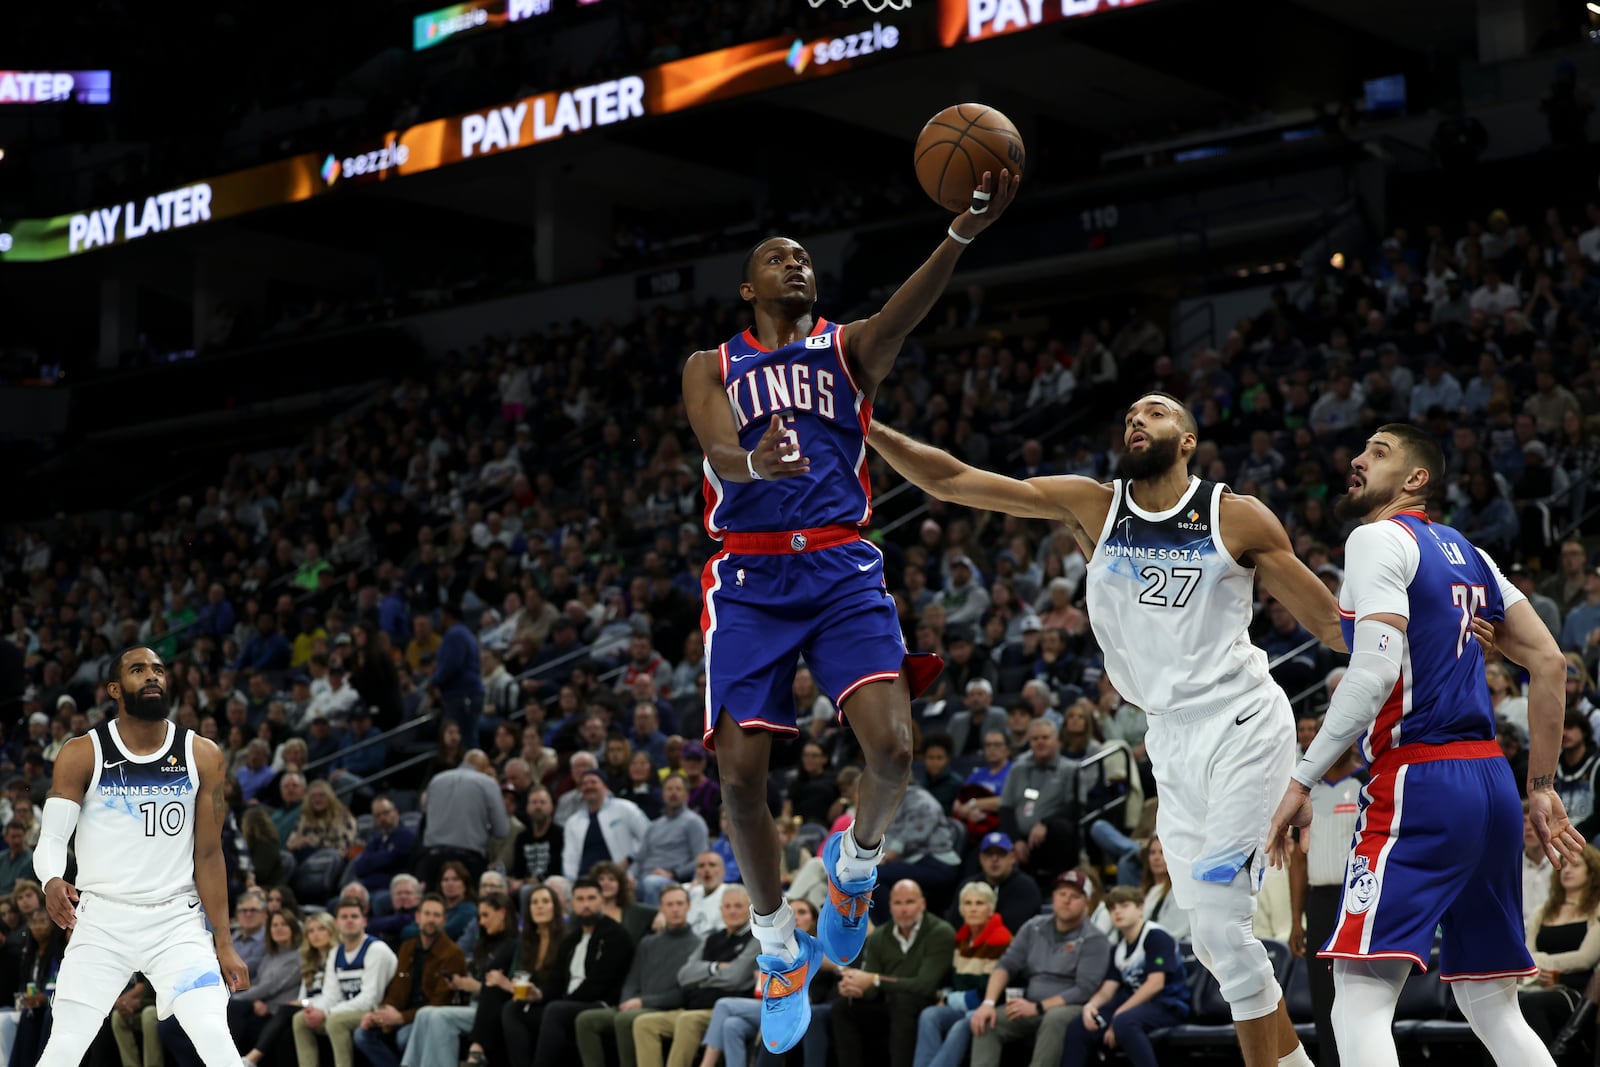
<point x="988" y="1003"/>
<point x="956" y="237"/>
<point x="750" y="465"/>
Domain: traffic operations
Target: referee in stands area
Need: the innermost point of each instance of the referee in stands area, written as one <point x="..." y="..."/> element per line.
<point x="1316" y="880"/>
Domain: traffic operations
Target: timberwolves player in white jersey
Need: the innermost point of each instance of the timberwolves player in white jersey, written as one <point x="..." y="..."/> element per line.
<point x="1172" y="565"/>
<point x="145" y="799"/>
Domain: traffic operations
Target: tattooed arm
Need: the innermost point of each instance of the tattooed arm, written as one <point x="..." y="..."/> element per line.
<point x="210" y="872"/>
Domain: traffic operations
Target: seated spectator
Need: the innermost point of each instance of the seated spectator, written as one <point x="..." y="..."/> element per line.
<point x="671" y="842"/>
<point x="1159" y="905"/>
<point x="725" y="966"/>
<point x="922" y="845"/>
<point x="426" y="964"/>
<point x="1510" y="706"/>
<point x="577" y="985"/>
<point x="389" y="847"/>
<point x="1037" y="807"/>
<point x="1565" y="943"/>
<point x="813" y="788"/>
<point x="447" y="753"/>
<point x="437" y="1029"/>
<point x="1145" y="989"/>
<point x="324" y="823"/>
<point x="256" y="771"/>
<point x="903" y="966"/>
<point x="292" y="791"/>
<point x="935" y="774"/>
<point x="568" y="796"/>
<point x="273" y="985"/>
<point x="402" y="898"/>
<point x="1017" y="896"/>
<point x="652" y="984"/>
<point x="133" y="1025"/>
<point x="643" y="786"/>
<point x="361" y="756"/>
<point x="41" y="962"/>
<point x="250" y="928"/>
<point x="261" y="839"/>
<point x="943" y="1034"/>
<point x="456" y="889"/>
<point x="645" y="735"/>
<point x="536" y="853"/>
<point x="1064" y="960"/>
<point x="1536" y="872"/>
<point x="604" y="828"/>
<point x="705" y="795"/>
<point x="706" y="893"/>
<point x="17" y="862"/>
<point x="534" y="959"/>
<point x="616" y="900"/>
<point x="354" y="980"/>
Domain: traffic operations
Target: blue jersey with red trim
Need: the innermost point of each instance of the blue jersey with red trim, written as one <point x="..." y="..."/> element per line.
<point x="808" y="383"/>
<point x="1441" y="696"/>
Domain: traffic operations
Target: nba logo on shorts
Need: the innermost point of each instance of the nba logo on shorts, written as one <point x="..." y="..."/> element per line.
<point x="1362" y="886"/>
<point x="798" y="542"/>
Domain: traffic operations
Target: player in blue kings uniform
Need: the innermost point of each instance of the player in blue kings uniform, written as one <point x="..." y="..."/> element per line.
<point x="1438" y="838"/>
<point x="781" y="412"/>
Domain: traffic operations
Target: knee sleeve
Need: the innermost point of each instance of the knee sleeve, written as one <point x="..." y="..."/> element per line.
<point x="1490" y="1007"/>
<point x="73" y="1027"/>
<point x="1222" y="931"/>
<point x="203" y="1014"/>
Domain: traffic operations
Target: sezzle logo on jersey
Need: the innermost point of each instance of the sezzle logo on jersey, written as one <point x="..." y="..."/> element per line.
<point x="1193" y="522"/>
<point x="174" y="767"/>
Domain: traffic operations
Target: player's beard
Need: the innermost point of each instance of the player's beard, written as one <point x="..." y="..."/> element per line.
<point x="147" y="706"/>
<point x="1354" y="505"/>
<point x="1158" y="457"/>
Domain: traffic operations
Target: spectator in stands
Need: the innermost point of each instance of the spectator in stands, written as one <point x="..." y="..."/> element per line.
<point x="1064" y="959"/>
<point x="324" y="823"/>
<point x="604" y="828"/>
<point x="569" y="798"/>
<point x="725" y="966"/>
<point x="652" y="984"/>
<point x="535" y="957"/>
<point x="455" y="887"/>
<point x="979" y="798"/>
<point x="447" y="753"/>
<point x="354" y="980"/>
<point x="616" y="900"/>
<point x="706" y="894"/>
<point x="1017" y="896"/>
<point x="705" y="795"/>
<point x="813" y="788"/>
<point x="645" y="735"/>
<point x="1036" y="808"/>
<point x="292" y="792"/>
<point x="40" y="963"/>
<point x="920" y="845"/>
<point x="388" y="849"/>
<point x="362" y="755"/>
<point x="399" y="903"/>
<point x="437" y="1029"/>
<point x="671" y="842"/>
<point x="1580" y="630"/>
<point x="903" y="966"/>
<point x="537" y="851"/>
<point x="134" y="1022"/>
<point x="1505" y="693"/>
<point x="425" y="964"/>
<point x="256" y="770"/>
<point x="644" y="661"/>
<point x="643" y="785"/>
<point x="1536" y="872"/>
<point x="17" y="862"/>
<point x="464" y="812"/>
<point x="1159" y="905"/>
<point x="1145" y="989"/>
<point x="934" y="774"/>
<point x="268" y="650"/>
<point x="424" y="645"/>
<point x="261" y="842"/>
<point x="456" y="682"/>
<point x="577" y="985"/>
<point x="274" y="983"/>
<point x="943" y="1033"/>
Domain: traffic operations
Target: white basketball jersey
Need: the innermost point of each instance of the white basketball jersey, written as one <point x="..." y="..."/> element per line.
<point x="136" y="828"/>
<point x="1171" y="608"/>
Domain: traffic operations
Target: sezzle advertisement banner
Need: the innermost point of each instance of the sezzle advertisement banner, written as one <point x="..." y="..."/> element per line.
<point x="964" y="21"/>
<point x="471" y="18"/>
<point x="685" y="83"/>
<point x="54" y="86"/>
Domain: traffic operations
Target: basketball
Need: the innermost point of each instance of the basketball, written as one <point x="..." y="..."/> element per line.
<point x="958" y="145"/>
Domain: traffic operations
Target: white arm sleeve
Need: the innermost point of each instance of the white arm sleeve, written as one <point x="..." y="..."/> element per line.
<point x="55" y="830"/>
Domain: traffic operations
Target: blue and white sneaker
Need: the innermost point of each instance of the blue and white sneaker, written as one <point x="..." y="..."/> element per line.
<point x="786" y="994"/>
<point x="842" y="926"/>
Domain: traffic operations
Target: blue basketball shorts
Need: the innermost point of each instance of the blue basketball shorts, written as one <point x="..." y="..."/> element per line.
<point x="763" y="610"/>
<point x="1438" y="845"/>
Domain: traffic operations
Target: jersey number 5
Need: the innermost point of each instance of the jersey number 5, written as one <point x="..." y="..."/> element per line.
<point x="1155" y="594"/>
<point x="169" y="819"/>
<point x="1467" y="599"/>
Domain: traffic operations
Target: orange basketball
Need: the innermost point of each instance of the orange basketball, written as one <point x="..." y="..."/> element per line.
<point x="958" y="145"/>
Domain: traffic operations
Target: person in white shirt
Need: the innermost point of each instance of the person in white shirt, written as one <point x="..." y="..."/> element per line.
<point x="706" y="892"/>
<point x="1493" y="297"/>
<point x="618" y="827"/>
<point x="1535" y="871"/>
<point x="354" y="981"/>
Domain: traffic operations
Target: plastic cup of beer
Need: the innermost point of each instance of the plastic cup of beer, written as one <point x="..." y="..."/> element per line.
<point x="1014" y="992"/>
<point x="522" y="986"/>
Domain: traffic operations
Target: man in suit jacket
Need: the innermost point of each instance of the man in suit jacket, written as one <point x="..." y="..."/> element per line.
<point x="590" y="969"/>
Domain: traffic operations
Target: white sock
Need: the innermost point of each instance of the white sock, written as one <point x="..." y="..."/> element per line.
<point x="855" y="861"/>
<point x="775" y="933"/>
<point x="1297" y="1058"/>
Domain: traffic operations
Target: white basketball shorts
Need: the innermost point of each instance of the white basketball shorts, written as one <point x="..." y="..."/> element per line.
<point x="169" y="943"/>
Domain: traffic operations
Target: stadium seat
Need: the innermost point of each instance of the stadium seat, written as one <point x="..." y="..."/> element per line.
<point x="404" y="800"/>
<point x="317" y="879"/>
<point x="1444" y="1026"/>
<point x="364" y="825"/>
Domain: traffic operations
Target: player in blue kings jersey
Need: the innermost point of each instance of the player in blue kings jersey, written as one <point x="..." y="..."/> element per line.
<point x="1440" y="829"/>
<point x="781" y="412"/>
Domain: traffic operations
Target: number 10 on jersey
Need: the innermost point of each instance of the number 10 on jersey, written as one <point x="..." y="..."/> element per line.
<point x="170" y="818"/>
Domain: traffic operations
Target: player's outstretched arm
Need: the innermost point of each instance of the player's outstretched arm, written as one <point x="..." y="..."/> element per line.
<point x="941" y="475"/>
<point x="68" y="783"/>
<point x="1255" y="536"/>
<point x="1523" y="639"/>
<point x="776" y="455"/>
<point x="210" y="871"/>
<point x="871" y="344"/>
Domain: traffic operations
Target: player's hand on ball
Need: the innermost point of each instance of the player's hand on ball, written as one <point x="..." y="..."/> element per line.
<point x="235" y="975"/>
<point x="1293" y="811"/>
<point x="777" y="454"/>
<point x="61" y="900"/>
<point x="989" y="201"/>
<point x="1561" y="840"/>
